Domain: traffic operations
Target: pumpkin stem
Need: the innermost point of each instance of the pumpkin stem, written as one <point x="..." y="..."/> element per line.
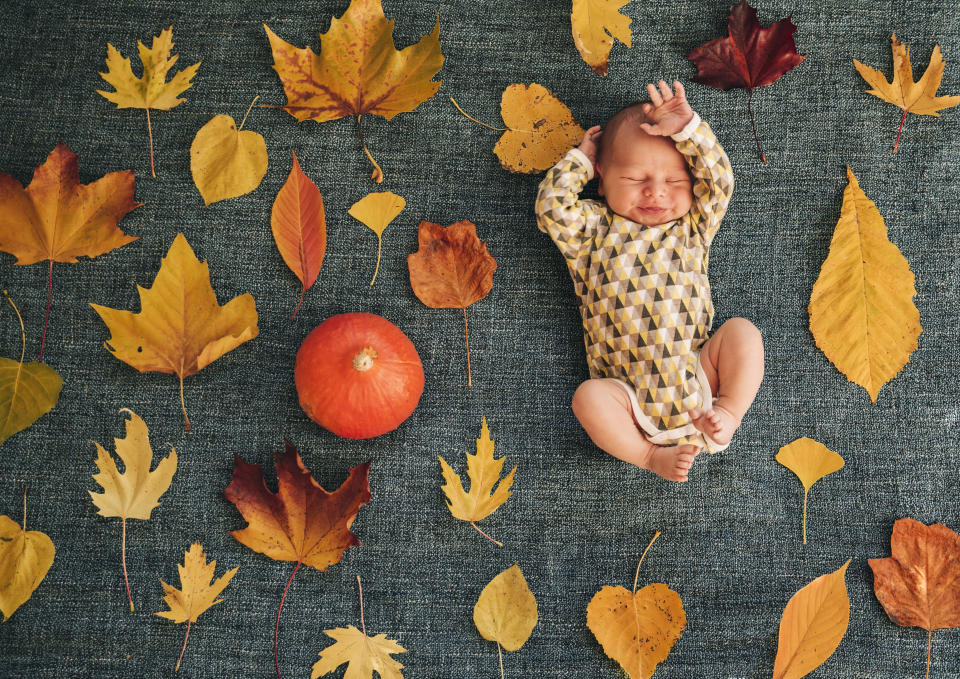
<point x="363" y="361"/>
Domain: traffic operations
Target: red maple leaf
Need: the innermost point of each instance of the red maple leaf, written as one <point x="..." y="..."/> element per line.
<point x="750" y="57"/>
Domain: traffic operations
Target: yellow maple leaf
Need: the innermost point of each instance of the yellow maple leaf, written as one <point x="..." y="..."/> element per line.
<point x="133" y="493"/>
<point x="484" y="472"/>
<point x="227" y="161"/>
<point x="25" y="558"/>
<point x="540" y="131"/>
<point x="596" y="24"/>
<point x="181" y="328"/>
<point x="151" y="90"/>
<point x="862" y="314"/>
<point x="810" y="460"/>
<point x="359" y="70"/>
<point x="364" y="655"/>
<point x="506" y="610"/>
<point x="913" y="97"/>
<point x="376" y="211"/>
<point x="198" y="591"/>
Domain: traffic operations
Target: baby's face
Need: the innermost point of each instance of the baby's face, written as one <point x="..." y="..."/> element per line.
<point x="645" y="179"/>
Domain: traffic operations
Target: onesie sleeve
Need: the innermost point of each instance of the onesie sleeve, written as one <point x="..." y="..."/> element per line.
<point x="568" y="220"/>
<point x="712" y="176"/>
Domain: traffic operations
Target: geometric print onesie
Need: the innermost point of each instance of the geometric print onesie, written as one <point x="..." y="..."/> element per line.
<point x="644" y="292"/>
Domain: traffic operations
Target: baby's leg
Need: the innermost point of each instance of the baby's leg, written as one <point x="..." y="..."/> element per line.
<point x="733" y="362"/>
<point x="604" y="410"/>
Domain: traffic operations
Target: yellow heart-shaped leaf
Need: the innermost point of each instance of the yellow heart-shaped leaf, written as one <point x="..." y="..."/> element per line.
<point x="506" y="611"/>
<point x="540" y="131"/>
<point x="226" y="162"/>
<point x="25" y="558"/>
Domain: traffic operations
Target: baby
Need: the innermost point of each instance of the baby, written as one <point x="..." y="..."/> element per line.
<point x="659" y="389"/>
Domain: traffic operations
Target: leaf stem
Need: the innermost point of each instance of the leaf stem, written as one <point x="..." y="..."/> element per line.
<point x="500" y="655"/>
<point x="123" y="559"/>
<point x="276" y="629"/>
<point x="303" y="291"/>
<point x="377" y="174"/>
<point x="150" y="135"/>
<point x="248" y="112"/>
<point x="899" y="130"/>
<point x="929" y="639"/>
<point x="496" y="542"/>
<point x="363" y="625"/>
<point x="754" y="125"/>
<point x="25" y="508"/>
<point x="466" y="334"/>
<point x="377" y="268"/>
<point x="805" y="515"/>
<point x="187" y="636"/>
<point x="183" y="406"/>
<point x="479" y="122"/>
<point x="46" y="314"/>
<point x="637" y="576"/>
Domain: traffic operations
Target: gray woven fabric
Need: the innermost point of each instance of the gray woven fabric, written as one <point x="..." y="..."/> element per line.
<point x="578" y="519"/>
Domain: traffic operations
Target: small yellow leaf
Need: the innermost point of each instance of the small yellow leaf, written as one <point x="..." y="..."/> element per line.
<point x="812" y="626"/>
<point x="376" y="211"/>
<point x="363" y="655"/>
<point x="506" y="611"/>
<point x="198" y="591"/>
<point x="226" y="162"/>
<point x="596" y="24"/>
<point x="25" y="558"/>
<point x="810" y="460"/>
<point x="862" y="314"/>
<point x="540" y="131"/>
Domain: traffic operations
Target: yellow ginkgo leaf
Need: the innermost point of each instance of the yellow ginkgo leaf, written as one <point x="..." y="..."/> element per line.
<point x="812" y="626"/>
<point x="506" y="611"/>
<point x="810" y="460"/>
<point x="540" y="131"/>
<point x="862" y="314"/>
<point x="376" y="211"/>
<point x="25" y="558"/>
<point x="596" y="24"/>
<point x="227" y="161"/>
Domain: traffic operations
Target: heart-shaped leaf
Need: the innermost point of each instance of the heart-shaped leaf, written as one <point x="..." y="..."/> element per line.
<point x="25" y="558"/>
<point x="540" y="131"/>
<point x="226" y="162"/>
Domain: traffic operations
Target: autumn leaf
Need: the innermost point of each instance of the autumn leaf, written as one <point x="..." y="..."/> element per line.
<point x="810" y="460"/>
<point x="918" y="585"/>
<point x="506" y="611"/>
<point x="358" y="71"/>
<point x="451" y="270"/>
<point x="196" y="594"/>
<point x="302" y="522"/>
<point x="57" y="218"/>
<point x="639" y="628"/>
<point x="862" y="314"/>
<point x="487" y="490"/>
<point x="227" y="161"/>
<point x="812" y="626"/>
<point x="300" y="228"/>
<point x="376" y="211"/>
<point x="181" y="328"/>
<point x="750" y="57"/>
<point x="918" y="97"/>
<point x="27" y="390"/>
<point x="134" y="492"/>
<point x="25" y="558"/>
<point x="596" y="24"/>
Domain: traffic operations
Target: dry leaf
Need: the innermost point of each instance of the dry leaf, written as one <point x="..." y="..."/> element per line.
<point x="506" y="611"/>
<point x="451" y="269"/>
<point x="133" y="493"/>
<point x="913" y="97"/>
<point x="487" y="490"/>
<point x="812" y="626"/>
<point x="810" y="460"/>
<point x="918" y="585"/>
<point x="299" y="227"/>
<point x="150" y="91"/>
<point x="862" y="314"/>
<point x="376" y="211"/>
<point x="181" y="329"/>
<point x="358" y="71"/>
<point x="540" y="131"/>
<point x="225" y="161"/>
<point x="363" y="655"/>
<point x="596" y="24"/>
<point x="25" y="558"/>
<point x="196" y="594"/>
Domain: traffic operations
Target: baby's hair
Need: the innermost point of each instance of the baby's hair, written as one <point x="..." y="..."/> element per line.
<point x="631" y="115"/>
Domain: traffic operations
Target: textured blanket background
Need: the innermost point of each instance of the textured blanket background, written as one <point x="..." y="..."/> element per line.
<point x="578" y="519"/>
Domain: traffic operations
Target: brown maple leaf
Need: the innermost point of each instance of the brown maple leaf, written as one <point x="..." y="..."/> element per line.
<point x="451" y="270"/>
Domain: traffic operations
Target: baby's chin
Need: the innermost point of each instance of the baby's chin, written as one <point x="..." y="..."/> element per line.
<point x="647" y="217"/>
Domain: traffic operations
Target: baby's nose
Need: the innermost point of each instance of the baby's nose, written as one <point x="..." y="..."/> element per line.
<point x="655" y="187"/>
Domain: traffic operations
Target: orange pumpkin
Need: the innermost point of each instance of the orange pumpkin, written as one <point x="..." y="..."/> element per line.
<point x="358" y="375"/>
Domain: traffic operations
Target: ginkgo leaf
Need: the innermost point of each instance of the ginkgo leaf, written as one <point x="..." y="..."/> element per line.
<point x="151" y="90"/>
<point x="181" y="328"/>
<point x="810" y="460"/>
<point x="451" y="270"/>
<point x="487" y="490"/>
<point x="506" y="611"/>
<point x="540" y="131"/>
<point x="596" y="24"/>
<point x="299" y="227"/>
<point x="227" y="161"/>
<point x="134" y="492"/>
<point x="358" y="71"/>
<point x="918" y="97"/>
<point x="812" y="626"/>
<point x="198" y="591"/>
<point x="363" y="655"/>
<point x="376" y="211"/>
<point x="25" y="558"/>
<point x="862" y="314"/>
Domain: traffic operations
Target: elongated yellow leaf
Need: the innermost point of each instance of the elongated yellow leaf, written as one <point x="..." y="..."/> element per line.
<point x="810" y="460"/>
<point x="540" y="129"/>
<point x="506" y="611"/>
<point x="25" y="558"/>
<point x="813" y="624"/>
<point x="862" y="314"/>
<point x="376" y="211"/>
<point x="596" y="24"/>
<point x="226" y="162"/>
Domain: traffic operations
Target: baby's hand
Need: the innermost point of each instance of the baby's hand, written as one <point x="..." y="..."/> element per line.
<point x="669" y="113"/>
<point x="591" y="142"/>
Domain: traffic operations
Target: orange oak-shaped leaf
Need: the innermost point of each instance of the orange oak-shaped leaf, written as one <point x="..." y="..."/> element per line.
<point x="451" y="270"/>
<point x="300" y="228"/>
<point x="181" y="328"/>
<point x="359" y="70"/>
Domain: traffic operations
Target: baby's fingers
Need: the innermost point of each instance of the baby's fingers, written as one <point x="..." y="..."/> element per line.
<point x="678" y="86"/>
<point x="665" y="90"/>
<point x="654" y="95"/>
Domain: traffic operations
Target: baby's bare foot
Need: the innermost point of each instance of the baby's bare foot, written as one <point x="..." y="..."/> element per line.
<point x="671" y="462"/>
<point x="718" y="423"/>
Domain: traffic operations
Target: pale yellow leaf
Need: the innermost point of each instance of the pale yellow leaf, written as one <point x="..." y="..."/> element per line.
<point x="25" y="558"/>
<point x="226" y="162"/>
<point x="540" y="131"/>
<point x="376" y="211"/>
<point x="364" y="655"/>
<point x="596" y="24"/>
<point x="484" y="472"/>
<point x="197" y="593"/>
<point x="506" y="611"/>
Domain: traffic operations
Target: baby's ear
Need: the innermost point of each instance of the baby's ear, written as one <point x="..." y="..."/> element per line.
<point x="599" y="175"/>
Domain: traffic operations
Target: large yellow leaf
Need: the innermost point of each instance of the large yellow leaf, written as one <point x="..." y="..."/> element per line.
<point x="596" y="23"/>
<point x="862" y="314"/>
<point x="506" y="611"/>
<point x="25" y="558"/>
<point x="363" y="655"/>
<point x="810" y="460"/>
<point x="812" y="626"/>
<point x="540" y="129"/>
<point x="376" y="211"/>
<point x="225" y="161"/>
<point x="181" y="328"/>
